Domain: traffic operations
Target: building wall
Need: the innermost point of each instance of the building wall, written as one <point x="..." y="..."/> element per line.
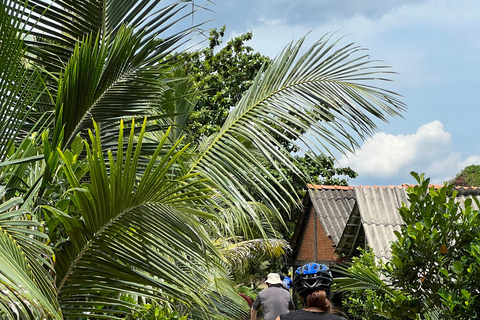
<point x="325" y="248"/>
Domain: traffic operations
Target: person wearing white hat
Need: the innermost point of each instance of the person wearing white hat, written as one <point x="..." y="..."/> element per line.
<point x="274" y="300"/>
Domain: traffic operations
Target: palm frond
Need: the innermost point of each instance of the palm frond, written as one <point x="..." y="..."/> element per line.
<point x="256" y="249"/>
<point x="244" y="255"/>
<point x="178" y="105"/>
<point x="325" y="92"/>
<point x="25" y="282"/>
<point x="393" y="303"/>
<point x="361" y="279"/>
<point x="138" y="234"/>
<point x="58" y="26"/>
<point x="222" y="307"/>
<point x="20" y="85"/>
<point x="102" y="59"/>
<point x="224" y="302"/>
<point x="15" y="172"/>
<point x="110" y="81"/>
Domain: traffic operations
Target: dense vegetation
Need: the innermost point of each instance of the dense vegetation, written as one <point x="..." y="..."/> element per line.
<point x="110" y="208"/>
<point x="434" y="270"/>
<point x="220" y="74"/>
<point x="469" y="177"/>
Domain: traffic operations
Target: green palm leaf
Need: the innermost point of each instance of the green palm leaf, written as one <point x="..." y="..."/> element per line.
<point x="110" y="81"/>
<point x="105" y="83"/>
<point x="138" y="234"/>
<point x="104" y="59"/>
<point x="25" y="282"/>
<point x="243" y="254"/>
<point x="326" y="92"/>
<point x="224" y="302"/>
<point x="395" y="305"/>
<point x="361" y="279"/>
<point x="19" y="84"/>
<point x="58" y="26"/>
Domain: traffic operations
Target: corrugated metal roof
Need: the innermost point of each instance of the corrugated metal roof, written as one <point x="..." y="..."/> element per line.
<point x="333" y="206"/>
<point x="379" y="238"/>
<point x="378" y="208"/>
<point x="463" y="198"/>
<point x="380" y="205"/>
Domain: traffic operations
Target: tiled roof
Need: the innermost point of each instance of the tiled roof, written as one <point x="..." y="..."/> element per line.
<point x="333" y="206"/>
<point x="470" y="191"/>
<point x="325" y="187"/>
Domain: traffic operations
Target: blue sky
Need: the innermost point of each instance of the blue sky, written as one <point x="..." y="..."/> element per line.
<point x="433" y="45"/>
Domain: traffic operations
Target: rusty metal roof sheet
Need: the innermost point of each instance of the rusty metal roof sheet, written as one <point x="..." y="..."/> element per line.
<point x="333" y="207"/>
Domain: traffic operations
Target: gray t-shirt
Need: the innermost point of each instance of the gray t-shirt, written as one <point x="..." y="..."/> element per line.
<point x="274" y="301"/>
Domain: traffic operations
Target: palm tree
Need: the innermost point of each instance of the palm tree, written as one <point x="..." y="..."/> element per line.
<point x="84" y="222"/>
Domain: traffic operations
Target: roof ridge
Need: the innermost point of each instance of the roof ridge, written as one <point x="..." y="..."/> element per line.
<point x="382" y="187"/>
<point x="328" y="187"/>
<point x="404" y="185"/>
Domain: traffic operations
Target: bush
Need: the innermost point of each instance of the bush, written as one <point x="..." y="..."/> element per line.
<point x="360" y="304"/>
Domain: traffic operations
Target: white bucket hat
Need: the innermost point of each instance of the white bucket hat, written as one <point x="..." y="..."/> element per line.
<point x="273" y="278"/>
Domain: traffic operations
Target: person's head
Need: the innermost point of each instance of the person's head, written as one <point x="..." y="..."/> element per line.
<point x="313" y="283"/>
<point x="273" y="279"/>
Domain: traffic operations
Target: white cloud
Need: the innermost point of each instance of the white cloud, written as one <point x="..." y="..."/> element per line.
<point x="428" y="150"/>
<point x="270" y="22"/>
<point x="384" y="155"/>
<point x="472" y="160"/>
<point x="446" y="169"/>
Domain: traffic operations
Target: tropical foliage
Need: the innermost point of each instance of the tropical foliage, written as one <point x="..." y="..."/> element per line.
<point x="468" y="177"/>
<point x="106" y="211"/>
<point x="220" y="74"/>
<point x="360" y="304"/>
<point x="433" y="273"/>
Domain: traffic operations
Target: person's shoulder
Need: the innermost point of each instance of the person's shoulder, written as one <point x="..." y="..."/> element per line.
<point x="331" y="316"/>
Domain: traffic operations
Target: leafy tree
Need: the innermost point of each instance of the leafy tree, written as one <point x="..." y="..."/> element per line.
<point x="136" y="213"/>
<point x="468" y="177"/>
<point x="221" y="77"/>
<point x="433" y="273"/>
<point x="437" y="253"/>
